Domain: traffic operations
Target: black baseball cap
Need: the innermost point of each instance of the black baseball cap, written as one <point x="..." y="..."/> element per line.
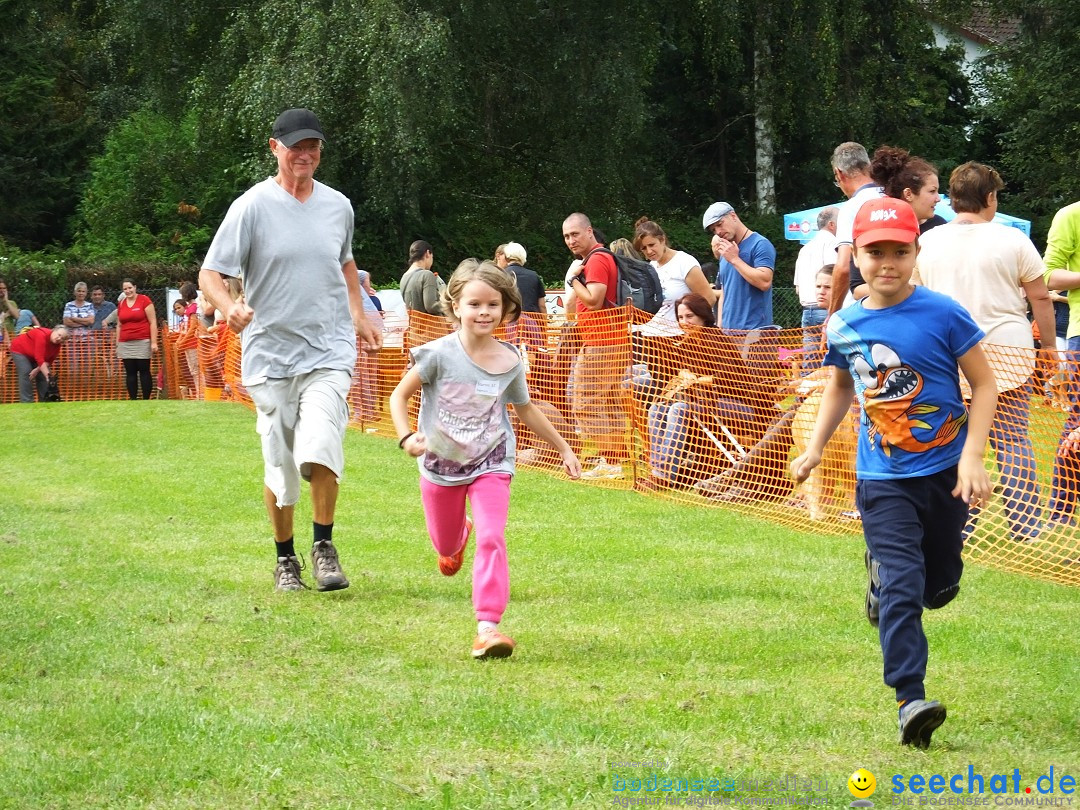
<point x="294" y="125"/>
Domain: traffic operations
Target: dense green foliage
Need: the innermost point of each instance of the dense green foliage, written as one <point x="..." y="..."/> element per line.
<point x="130" y="125"/>
<point x="130" y="207"/>
<point x="46" y="128"/>
<point x="1035" y="109"/>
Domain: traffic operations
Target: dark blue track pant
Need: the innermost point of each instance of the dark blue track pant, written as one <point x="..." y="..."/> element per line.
<point x="913" y="529"/>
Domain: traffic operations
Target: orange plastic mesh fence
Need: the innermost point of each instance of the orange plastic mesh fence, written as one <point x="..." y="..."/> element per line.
<point x="87" y="368"/>
<point x="708" y="419"/>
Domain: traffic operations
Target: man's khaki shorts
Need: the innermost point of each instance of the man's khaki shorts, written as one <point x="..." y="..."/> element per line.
<point x="302" y="422"/>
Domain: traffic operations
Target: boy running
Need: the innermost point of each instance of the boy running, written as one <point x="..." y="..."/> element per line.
<point x="920" y="455"/>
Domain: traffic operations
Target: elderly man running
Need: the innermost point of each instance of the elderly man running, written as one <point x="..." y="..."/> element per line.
<point x="290" y="239"/>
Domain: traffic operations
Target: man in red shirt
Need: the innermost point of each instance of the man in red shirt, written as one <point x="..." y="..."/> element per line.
<point x="597" y="399"/>
<point x="33" y="352"/>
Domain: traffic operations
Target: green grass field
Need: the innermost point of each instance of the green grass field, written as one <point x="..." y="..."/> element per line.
<point x="147" y="662"/>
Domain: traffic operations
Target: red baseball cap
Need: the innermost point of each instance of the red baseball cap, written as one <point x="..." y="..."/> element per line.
<point x="885" y="219"/>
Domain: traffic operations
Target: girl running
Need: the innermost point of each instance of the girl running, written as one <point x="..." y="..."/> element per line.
<point x="464" y="443"/>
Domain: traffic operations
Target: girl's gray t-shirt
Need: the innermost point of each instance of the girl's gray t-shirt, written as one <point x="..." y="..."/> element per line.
<point x="463" y="413"/>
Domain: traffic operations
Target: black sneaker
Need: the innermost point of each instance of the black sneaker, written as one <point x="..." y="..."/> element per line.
<point x="328" y="573"/>
<point x="873" y="589"/>
<point x="918" y="720"/>
<point x="287" y="575"/>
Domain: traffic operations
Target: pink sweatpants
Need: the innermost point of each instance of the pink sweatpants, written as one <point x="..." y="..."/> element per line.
<point x="444" y="511"/>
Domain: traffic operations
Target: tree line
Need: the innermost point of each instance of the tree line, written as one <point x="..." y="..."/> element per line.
<point x="129" y="126"/>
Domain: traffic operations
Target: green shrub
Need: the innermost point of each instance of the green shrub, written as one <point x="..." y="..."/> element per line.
<point x="140" y="204"/>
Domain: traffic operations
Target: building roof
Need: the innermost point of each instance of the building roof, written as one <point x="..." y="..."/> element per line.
<point x="983" y="25"/>
<point x="989" y="27"/>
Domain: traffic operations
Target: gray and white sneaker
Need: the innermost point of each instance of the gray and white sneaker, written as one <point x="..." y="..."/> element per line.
<point x="918" y="720"/>
<point x="328" y="573"/>
<point x="287" y="575"/>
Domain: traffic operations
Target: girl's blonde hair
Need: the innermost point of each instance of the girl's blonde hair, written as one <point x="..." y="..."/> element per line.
<point x="624" y="247"/>
<point x="492" y="275"/>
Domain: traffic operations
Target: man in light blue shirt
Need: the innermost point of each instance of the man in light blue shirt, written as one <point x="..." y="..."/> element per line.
<point x="745" y="273"/>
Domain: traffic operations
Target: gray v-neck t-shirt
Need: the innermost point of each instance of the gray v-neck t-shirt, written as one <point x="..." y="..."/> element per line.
<point x="289" y="255"/>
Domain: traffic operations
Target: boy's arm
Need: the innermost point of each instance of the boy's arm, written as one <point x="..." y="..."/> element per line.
<point x="539" y="424"/>
<point x="416" y="443"/>
<point x="972" y="482"/>
<point x="835" y="403"/>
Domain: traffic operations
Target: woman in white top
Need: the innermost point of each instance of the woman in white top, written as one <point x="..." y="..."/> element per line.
<point x="991" y="268"/>
<point x="679" y="271"/>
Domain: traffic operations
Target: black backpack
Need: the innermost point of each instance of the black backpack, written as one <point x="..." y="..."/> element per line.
<point x="638" y="285"/>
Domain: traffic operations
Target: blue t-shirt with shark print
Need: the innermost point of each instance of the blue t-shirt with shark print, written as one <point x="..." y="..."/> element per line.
<point x="903" y="360"/>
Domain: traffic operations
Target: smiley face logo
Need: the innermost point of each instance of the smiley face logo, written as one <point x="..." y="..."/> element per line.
<point x="862" y="784"/>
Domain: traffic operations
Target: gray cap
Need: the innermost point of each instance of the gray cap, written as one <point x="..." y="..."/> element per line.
<point x="714" y="213"/>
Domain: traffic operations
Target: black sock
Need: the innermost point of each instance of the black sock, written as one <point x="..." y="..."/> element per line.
<point x="285" y="549"/>
<point x="323" y="531"/>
